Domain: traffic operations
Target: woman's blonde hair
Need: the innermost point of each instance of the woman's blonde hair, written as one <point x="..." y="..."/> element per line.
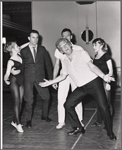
<point x="8" y="47"/>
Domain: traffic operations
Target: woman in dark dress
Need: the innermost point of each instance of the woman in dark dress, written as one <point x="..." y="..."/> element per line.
<point x="15" y="82"/>
<point x="103" y="61"/>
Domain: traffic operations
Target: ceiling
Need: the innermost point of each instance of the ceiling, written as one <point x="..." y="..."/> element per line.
<point x="17" y="20"/>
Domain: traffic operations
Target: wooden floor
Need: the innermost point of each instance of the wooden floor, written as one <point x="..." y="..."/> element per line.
<point x="44" y="136"/>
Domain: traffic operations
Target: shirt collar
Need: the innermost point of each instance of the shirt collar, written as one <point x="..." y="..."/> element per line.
<point x="32" y="46"/>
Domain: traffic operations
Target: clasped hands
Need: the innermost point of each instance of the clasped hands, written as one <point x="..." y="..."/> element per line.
<point x="107" y="78"/>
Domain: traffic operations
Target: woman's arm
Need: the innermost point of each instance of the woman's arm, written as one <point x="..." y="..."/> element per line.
<point x="98" y="72"/>
<point x="24" y="45"/>
<point x="110" y="67"/>
<point x="8" y="70"/>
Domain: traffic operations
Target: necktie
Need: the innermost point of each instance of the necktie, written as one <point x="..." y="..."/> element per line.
<point x="34" y="52"/>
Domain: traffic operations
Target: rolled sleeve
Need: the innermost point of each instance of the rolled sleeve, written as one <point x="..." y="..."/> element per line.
<point x="59" y="55"/>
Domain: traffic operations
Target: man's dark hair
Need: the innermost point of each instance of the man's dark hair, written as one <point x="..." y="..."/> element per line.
<point x="33" y="31"/>
<point x="101" y="42"/>
<point x="65" y="30"/>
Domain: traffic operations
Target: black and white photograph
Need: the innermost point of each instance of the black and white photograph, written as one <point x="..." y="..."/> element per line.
<point x="60" y="75"/>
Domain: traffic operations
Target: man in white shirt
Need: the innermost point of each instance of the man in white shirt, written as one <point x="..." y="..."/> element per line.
<point x="79" y="66"/>
<point x="64" y="85"/>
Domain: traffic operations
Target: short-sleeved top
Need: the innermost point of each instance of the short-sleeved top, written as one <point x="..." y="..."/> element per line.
<point x="78" y="68"/>
<point x="19" y="77"/>
<point x="61" y="56"/>
<point x="101" y="63"/>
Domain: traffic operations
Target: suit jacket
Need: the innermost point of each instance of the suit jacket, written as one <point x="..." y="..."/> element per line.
<point x="36" y="71"/>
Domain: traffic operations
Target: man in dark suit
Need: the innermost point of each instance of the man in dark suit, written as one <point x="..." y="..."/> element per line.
<point x="35" y="68"/>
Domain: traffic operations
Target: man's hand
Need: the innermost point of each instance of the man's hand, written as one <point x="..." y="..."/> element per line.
<point x="107" y="78"/>
<point x="15" y="72"/>
<point x="44" y="84"/>
<point x="55" y="86"/>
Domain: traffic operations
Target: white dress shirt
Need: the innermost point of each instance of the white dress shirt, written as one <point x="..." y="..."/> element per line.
<point x="78" y="68"/>
<point x="31" y="49"/>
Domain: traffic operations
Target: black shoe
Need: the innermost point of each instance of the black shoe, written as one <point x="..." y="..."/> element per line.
<point x="76" y="131"/>
<point x="28" y="124"/>
<point x="46" y="119"/>
<point x="112" y="137"/>
<point x="95" y="124"/>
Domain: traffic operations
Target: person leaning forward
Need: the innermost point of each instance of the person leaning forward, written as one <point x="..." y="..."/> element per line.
<point x="79" y="66"/>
